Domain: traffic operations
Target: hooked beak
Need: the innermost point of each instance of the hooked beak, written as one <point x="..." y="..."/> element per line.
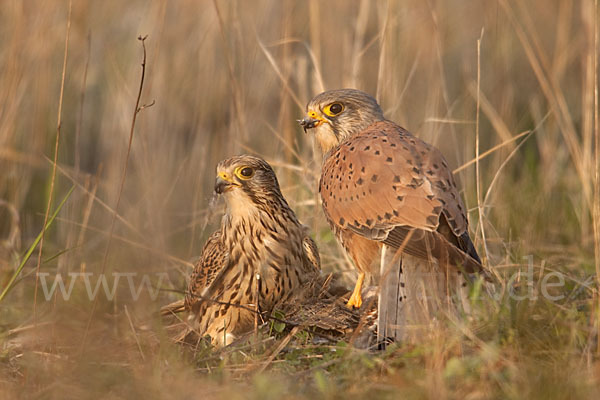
<point x="308" y="123"/>
<point x="223" y="183"/>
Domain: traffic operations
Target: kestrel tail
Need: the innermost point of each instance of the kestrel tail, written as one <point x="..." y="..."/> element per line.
<point x="380" y="185"/>
<point x="261" y="248"/>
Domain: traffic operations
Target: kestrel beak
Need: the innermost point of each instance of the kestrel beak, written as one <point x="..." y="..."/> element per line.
<point x="223" y="183"/>
<point x="308" y="123"/>
<point x="312" y="120"/>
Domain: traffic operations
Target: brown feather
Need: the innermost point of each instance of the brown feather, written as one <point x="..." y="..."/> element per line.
<point x="213" y="258"/>
<point x="384" y="182"/>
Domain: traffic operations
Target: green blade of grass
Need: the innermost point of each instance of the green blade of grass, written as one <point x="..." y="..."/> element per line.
<point x="34" y="245"/>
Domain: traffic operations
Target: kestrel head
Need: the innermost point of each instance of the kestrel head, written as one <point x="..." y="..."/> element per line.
<point x="246" y="180"/>
<point x="338" y="114"/>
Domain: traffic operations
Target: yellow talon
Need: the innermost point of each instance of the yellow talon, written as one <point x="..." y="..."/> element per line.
<point x="355" y="300"/>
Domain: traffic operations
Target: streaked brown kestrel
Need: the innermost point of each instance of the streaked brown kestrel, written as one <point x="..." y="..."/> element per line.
<point x="379" y="183"/>
<point x="261" y="248"/>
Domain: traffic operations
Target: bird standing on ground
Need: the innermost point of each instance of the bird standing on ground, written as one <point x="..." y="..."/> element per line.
<point x="380" y="185"/>
<point x="261" y="250"/>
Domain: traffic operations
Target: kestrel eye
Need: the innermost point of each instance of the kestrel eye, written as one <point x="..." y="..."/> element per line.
<point x="336" y="108"/>
<point x="246" y="172"/>
<point x="333" y="109"/>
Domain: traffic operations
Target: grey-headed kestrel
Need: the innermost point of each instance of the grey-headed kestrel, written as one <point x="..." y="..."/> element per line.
<point x="380" y="185"/>
<point x="261" y="250"/>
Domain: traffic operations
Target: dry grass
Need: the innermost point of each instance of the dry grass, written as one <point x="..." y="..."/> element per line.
<point x="232" y="76"/>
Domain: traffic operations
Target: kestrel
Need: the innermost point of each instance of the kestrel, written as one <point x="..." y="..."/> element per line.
<point x="380" y="185"/>
<point x="261" y="248"/>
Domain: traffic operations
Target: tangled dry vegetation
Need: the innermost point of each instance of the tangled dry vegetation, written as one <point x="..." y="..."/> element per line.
<point x="513" y="82"/>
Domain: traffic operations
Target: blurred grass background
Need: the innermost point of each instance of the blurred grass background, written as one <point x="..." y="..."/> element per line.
<point x="229" y="77"/>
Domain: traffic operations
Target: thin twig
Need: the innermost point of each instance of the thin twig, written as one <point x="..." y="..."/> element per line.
<point x="477" y="174"/>
<point x="286" y="86"/>
<point x="279" y="348"/>
<point x="81" y="104"/>
<point x="596" y="212"/>
<point x="56" y="143"/>
<point x="137" y="341"/>
<point x="499" y="146"/>
<point x="256" y="308"/>
<point x="136" y="110"/>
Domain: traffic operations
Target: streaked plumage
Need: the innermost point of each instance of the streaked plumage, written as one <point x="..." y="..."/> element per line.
<point x="379" y="182"/>
<point x="260" y="237"/>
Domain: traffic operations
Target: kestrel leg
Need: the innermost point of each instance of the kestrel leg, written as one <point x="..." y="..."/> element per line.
<point x="355" y="300"/>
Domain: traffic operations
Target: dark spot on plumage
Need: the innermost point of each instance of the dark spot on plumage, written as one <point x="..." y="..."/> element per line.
<point x="344" y="158"/>
<point x="436" y="166"/>
<point x="402" y="284"/>
<point x="388" y="215"/>
<point x="389" y="159"/>
<point x="396" y="214"/>
<point x="429" y="172"/>
<point x="352" y="148"/>
<point x="367" y="148"/>
<point x="369" y="221"/>
<point x="392" y="144"/>
<point x="400" y="198"/>
<point x="377" y="152"/>
<point x="342" y="221"/>
<point x="416" y="182"/>
<point x="362" y="169"/>
<point x="430" y="197"/>
<point x="396" y="178"/>
<point x="359" y="181"/>
<point x="374" y="178"/>
<point x="356" y="223"/>
<point x="350" y="165"/>
<point x="379" y="218"/>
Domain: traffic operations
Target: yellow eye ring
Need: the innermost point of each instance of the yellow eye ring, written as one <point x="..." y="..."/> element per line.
<point x="244" y="172"/>
<point x="333" y="109"/>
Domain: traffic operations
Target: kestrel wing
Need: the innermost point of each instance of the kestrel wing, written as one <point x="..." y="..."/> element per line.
<point x="311" y="251"/>
<point x="384" y="178"/>
<point x="374" y="182"/>
<point x="213" y="259"/>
